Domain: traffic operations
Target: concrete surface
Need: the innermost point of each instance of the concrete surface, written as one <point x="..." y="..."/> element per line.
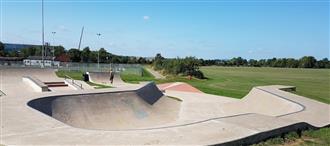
<point x="200" y="119"/>
<point x="178" y="86"/>
<point x="104" y="78"/>
<point x="110" y="111"/>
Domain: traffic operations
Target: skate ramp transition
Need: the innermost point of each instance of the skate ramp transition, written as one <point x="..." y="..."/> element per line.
<point x="141" y="108"/>
<point x="104" y="78"/>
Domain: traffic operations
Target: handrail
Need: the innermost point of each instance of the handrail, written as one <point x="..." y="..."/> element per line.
<point x="73" y="81"/>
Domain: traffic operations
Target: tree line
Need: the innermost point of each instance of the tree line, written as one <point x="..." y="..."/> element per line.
<point x="304" y="62"/>
<point x="189" y="66"/>
<point x="86" y="55"/>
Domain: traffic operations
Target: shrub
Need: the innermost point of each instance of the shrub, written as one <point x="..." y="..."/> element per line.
<point x="179" y="66"/>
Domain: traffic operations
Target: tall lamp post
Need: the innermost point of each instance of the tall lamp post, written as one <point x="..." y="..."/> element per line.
<point x="42" y="34"/>
<point x="53" y="45"/>
<point x="98" y="52"/>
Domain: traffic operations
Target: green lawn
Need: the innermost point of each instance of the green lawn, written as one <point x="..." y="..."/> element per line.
<point x="238" y="81"/>
<point x="77" y="75"/>
<point x="131" y="77"/>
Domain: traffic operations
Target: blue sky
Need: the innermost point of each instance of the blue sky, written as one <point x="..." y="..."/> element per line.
<point x="205" y="29"/>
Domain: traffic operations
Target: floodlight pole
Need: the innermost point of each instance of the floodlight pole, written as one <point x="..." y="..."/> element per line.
<point x="42" y="35"/>
<point x="53" y="45"/>
<point x="98" y="52"/>
<point x="81" y="35"/>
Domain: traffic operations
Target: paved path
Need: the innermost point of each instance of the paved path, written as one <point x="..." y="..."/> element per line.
<point x="203" y="119"/>
<point x="156" y="74"/>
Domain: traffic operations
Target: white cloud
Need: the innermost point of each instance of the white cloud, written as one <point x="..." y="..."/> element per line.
<point x="146" y="17"/>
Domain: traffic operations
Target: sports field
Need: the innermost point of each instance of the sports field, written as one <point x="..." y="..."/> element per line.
<point x="237" y="81"/>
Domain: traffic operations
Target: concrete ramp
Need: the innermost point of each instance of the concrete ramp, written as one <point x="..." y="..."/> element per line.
<point x="263" y="102"/>
<point x="150" y="93"/>
<point x="104" y="78"/>
<point x="113" y="110"/>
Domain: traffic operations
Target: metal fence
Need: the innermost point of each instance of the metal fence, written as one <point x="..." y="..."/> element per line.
<point x="85" y="67"/>
<point x="94" y="67"/>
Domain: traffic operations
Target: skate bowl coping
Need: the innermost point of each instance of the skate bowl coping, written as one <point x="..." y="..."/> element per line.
<point x="120" y="110"/>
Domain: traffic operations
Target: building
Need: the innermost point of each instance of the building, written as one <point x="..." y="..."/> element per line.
<point x="37" y="61"/>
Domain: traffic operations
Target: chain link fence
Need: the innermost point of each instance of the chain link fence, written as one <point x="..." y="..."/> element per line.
<point x="84" y="67"/>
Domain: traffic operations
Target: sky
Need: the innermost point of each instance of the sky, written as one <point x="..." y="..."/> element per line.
<point x="210" y="29"/>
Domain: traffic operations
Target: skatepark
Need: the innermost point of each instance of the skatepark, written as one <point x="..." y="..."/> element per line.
<point x="145" y="113"/>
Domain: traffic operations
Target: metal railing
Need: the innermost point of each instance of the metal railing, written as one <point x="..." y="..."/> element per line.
<point x="66" y="77"/>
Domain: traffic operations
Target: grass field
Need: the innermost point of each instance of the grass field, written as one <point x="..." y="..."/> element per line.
<point x="76" y="75"/>
<point x="238" y="81"/>
<point x="130" y="77"/>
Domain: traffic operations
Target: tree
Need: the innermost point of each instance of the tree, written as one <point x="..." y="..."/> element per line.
<point x="85" y="54"/>
<point x="292" y="63"/>
<point x="93" y="56"/>
<point x="253" y="62"/>
<point x="324" y="63"/>
<point x="59" y="50"/>
<point x="141" y="60"/>
<point x="74" y="55"/>
<point x="307" y="62"/>
<point x="239" y="61"/>
<point x="13" y="54"/>
<point x="115" y="59"/>
<point x="178" y="66"/>
<point x="103" y="55"/>
<point x="158" y="61"/>
<point x="2" y="49"/>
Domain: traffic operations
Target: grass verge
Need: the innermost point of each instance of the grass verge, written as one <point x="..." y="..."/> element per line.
<point x="319" y="137"/>
<point x="77" y="75"/>
<point x="133" y="78"/>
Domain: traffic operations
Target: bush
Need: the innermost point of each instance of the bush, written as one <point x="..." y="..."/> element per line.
<point x="198" y="74"/>
<point x="178" y="66"/>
